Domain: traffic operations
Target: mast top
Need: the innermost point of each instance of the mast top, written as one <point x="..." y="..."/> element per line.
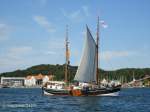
<point x="97" y="31"/>
<point x="66" y="33"/>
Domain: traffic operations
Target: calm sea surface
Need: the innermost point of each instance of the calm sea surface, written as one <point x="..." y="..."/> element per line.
<point x="32" y="100"/>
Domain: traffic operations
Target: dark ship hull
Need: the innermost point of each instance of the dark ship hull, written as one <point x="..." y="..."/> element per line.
<point x="83" y="92"/>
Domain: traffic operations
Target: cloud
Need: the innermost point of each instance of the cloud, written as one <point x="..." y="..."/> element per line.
<point x="4" y="31"/>
<point x="50" y="52"/>
<point x="42" y="21"/>
<point x="19" y="51"/>
<point x="43" y="2"/>
<point x="15" y="56"/>
<point x="77" y="15"/>
<point x="55" y="47"/>
<point x="16" y="53"/>
<point x="108" y="55"/>
<point x="3" y="28"/>
<point x="73" y="16"/>
<point x="7" y="62"/>
<point x="56" y="43"/>
<point x="86" y="10"/>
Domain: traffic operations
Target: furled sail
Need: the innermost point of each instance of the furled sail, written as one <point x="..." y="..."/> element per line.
<point x="87" y="69"/>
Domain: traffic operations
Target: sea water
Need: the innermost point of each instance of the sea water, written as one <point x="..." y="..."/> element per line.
<point x="32" y="100"/>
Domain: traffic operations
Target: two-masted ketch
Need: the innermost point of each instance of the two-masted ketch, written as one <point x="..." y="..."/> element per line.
<point x="87" y="76"/>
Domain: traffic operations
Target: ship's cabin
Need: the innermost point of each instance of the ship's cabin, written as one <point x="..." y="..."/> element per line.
<point x="55" y="85"/>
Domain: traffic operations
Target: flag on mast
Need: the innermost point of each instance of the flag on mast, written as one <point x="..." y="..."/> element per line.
<point x="103" y="24"/>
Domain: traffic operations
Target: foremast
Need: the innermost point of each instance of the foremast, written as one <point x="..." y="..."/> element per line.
<point x="67" y="55"/>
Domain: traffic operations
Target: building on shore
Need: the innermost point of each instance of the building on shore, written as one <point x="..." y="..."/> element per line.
<point x="37" y="80"/>
<point x="13" y="81"/>
<point x="29" y="81"/>
<point x="143" y="82"/>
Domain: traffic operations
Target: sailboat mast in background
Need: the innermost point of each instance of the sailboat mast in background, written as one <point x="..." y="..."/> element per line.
<point x="67" y="55"/>
<point x="97" y="46"/>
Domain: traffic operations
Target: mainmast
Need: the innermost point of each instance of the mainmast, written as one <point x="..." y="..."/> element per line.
<point x="97" y="46"/>
<point x="67" y="55"/>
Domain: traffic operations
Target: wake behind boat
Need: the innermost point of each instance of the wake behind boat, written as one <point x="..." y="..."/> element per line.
<point x="86" y="78"/>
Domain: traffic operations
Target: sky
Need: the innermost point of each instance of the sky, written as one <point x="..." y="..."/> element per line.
<point x="32" y="32"/>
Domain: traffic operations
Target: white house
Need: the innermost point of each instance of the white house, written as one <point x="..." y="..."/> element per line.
<point x="30" y="81"/>
<point x="45" y="79"/>
<point x="37" y="80"/>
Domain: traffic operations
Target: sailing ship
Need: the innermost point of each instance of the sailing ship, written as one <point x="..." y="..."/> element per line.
<point x="87" y="78"/>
